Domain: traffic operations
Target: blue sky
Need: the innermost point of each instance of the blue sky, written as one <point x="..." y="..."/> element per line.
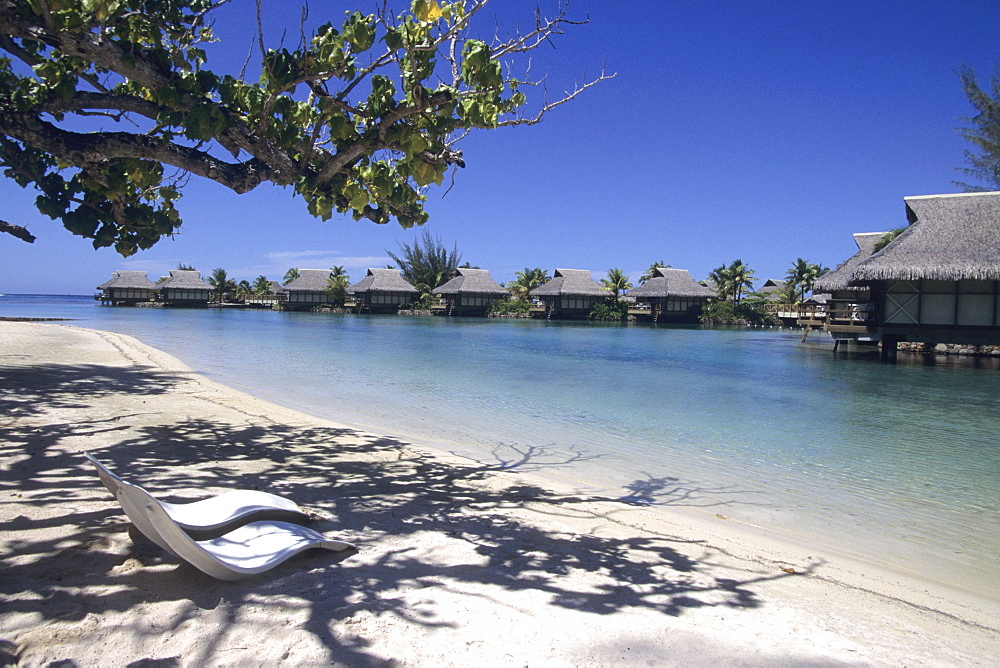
<point x="761" y="131"/>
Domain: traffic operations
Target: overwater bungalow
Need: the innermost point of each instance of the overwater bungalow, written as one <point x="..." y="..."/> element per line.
<point x="571" y="294"/>
<point x="672" y="296"/>
<point x="382" y="291"/>
<point x="126" y="288"/>
<point x="471" y="292"/>
<point x="850" y="313"/>
<point x="938" y="281"/>
<point x="183" y="288"/>
<point x="309" y="289"/>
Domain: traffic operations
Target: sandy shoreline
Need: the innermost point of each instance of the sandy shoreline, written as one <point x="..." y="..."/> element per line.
<point x="458" y="563"/>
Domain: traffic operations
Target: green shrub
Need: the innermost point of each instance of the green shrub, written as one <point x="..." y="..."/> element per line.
<point x="510" y="307"/>
<point x="611" y="312"/>
<point x="747" y="312"/>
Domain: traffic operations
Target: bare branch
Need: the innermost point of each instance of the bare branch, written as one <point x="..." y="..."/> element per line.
<point x="549" y="106"/>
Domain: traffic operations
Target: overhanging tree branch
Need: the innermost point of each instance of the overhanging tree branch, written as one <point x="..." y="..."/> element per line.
<point x="386" y="100"/>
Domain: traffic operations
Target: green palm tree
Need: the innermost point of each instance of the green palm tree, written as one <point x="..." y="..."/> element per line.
<point x="741" y="278"/>
<point x="651" y="272"/>
<point x="242" y="291"/>
<point x="723" y="283"/>
<point x="337" y="285"/>
<point x="221" y="283"/>
<point x="803" y="274"/>
<point x="528" y="280"/>
<point x="261" y="286"/>
<point x="290" y="275"/>
<point x="616" y="282"/>
<point x="887" y="239"/>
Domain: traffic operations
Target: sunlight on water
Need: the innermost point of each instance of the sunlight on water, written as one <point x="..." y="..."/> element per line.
<point x="899" y="464"/>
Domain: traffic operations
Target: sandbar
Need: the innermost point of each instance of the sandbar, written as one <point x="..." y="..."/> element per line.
<point x="458" y="562"/>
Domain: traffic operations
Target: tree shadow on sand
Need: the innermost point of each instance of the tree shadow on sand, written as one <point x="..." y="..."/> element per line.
<point x="90" y="569"/>
<point x="28" y="390"/>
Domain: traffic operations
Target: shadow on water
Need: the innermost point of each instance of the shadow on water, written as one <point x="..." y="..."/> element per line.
<point x="88" y="568"/>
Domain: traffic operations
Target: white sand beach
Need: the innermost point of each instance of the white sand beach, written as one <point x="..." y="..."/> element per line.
<point x="458" y="563"/>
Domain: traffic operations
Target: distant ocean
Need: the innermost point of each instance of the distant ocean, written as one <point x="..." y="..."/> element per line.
<point x="899" y="464"/>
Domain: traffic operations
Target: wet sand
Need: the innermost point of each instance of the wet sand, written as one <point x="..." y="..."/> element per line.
<point x="458" y="562"/>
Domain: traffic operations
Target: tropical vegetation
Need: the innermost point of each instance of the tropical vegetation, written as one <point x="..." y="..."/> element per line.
<point x="731" y="282"/>
<point x="526" y="281"/>
<point x="983" y="132"/>
<point x="801" y="277"/>
<point x="887" y="239"/>
<point x="337" y="286"/>
<point x="221" y="284"/>
<point x="747" y="312"/>
<point x="651" y="272"/>
<point x="616" y="283"/>
<point x="426" y="263"/>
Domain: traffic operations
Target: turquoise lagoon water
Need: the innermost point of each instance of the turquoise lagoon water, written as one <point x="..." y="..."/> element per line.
<point x="897" y="464"/>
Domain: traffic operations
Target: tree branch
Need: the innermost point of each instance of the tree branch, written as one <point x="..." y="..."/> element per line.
<point x="17" y="230"/>
<point x="83" y="149"/>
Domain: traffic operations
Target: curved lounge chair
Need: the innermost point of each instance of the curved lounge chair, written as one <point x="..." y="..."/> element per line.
<point x="253" y="548"/>
<point x="216" y="515"/>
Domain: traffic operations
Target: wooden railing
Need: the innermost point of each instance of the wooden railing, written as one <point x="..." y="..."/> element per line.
<point x="846" y="315"/>
<point x="797" y="311"/>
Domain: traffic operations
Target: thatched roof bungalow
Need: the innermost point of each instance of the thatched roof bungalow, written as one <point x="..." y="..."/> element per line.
<point x="939" y="280"/>
<point x="309" y="289"/>
<point x="570" y="293"/>
<point x="126" y="288"/>
<point x="672" y="295"/>
<point x="839" y="279"/>
<point x="184" y="287"/>
<point x="771" y="290"/>
<point x="950" y="238"/>
<point x="382" y="291"/>
<point x="471" y="292"/>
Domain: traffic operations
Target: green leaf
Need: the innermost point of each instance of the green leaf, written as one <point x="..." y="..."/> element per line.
<point x="393" y="39"/>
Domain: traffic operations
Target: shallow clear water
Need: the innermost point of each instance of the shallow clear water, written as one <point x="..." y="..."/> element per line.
<point x="899" y="464"/>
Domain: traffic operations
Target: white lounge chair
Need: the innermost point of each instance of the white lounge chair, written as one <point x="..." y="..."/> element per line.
<point x="216" y="515"/>
<point x="253" y="548"/>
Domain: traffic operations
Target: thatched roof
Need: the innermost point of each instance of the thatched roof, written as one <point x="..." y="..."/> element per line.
<point x="136" y="280"/>
<point x="184" y="279"/>
<point x="476" y="281"/>
<point x="840" y="278"/>
<point x="670" y="283"/>
<point x="572" y="283"/>
<point x="310" y="280"/>
<point x="772" y="285"/>
<point x="950" y="238"/>
<point x="382" y="280"/>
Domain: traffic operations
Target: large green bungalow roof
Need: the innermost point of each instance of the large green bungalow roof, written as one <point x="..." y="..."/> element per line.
<point x="950" y="237"/>
<point x="572" y="283"/>
<point x="471" y="281"/>
<point x="382" y="280"/>
<point x="670" y="283"/>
